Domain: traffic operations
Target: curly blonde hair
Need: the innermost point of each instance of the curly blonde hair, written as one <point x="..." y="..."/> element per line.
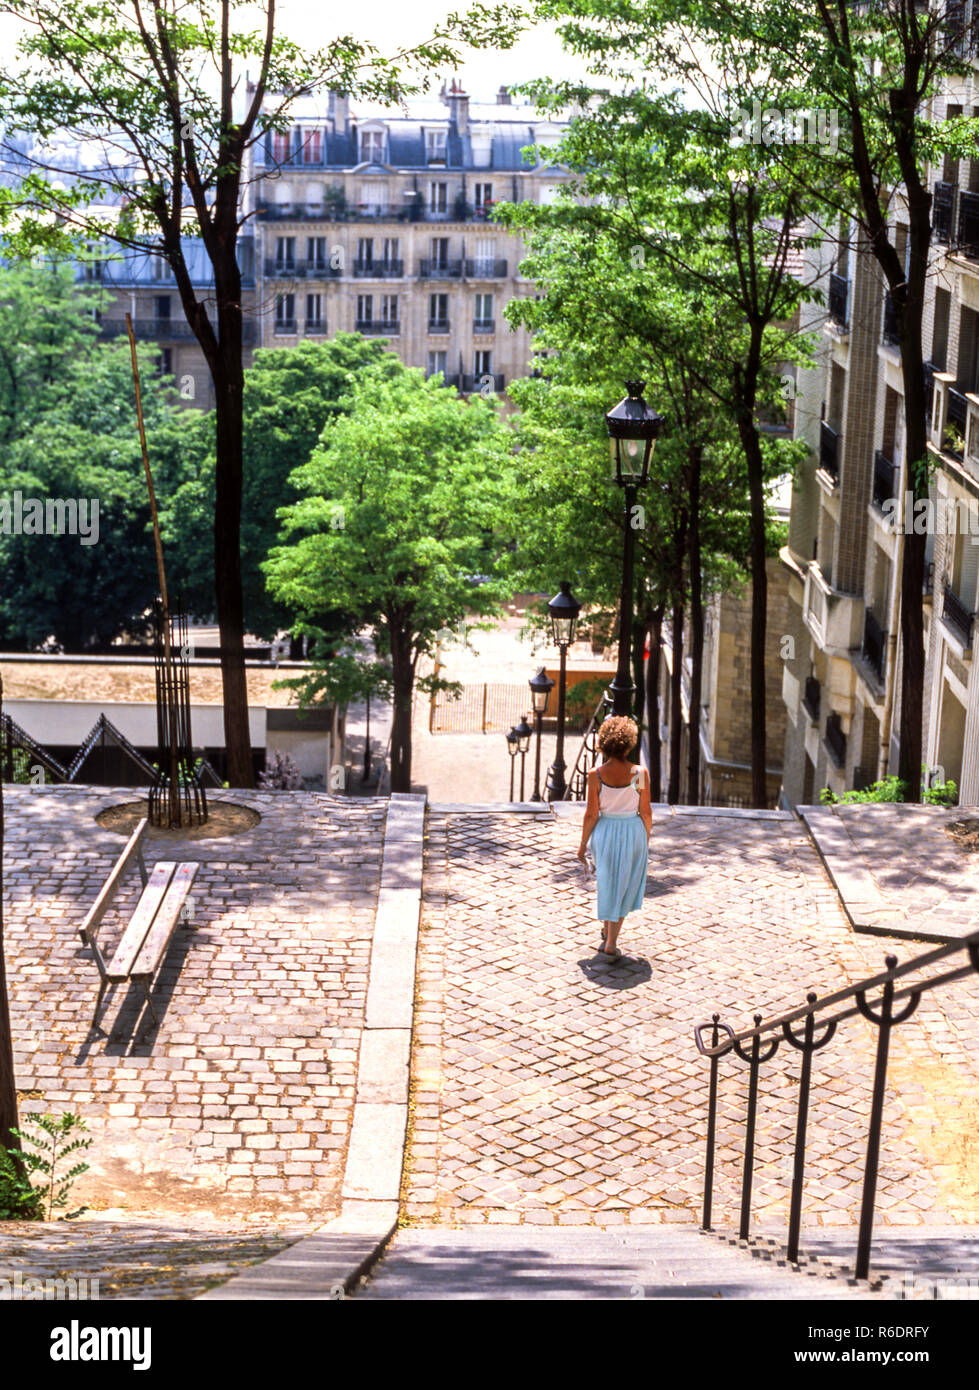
<point x="617" y="736"/>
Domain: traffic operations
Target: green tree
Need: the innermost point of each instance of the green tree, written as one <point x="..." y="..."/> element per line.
<point x="290" y="395"/>
<point x="80" y="447"/>
<point x="402" y="511"/>
<point x="157" y="89"/>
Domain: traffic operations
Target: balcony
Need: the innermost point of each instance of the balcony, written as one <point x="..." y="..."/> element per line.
<point x="378" y="270"/>
<point x="943" y="212"/>
<point x="956" y="416"/>
<point x="835" y="740"/>
<point x="486" y="381"/>
<point x="890" y="332"/>
<point x="438" y="325"/>
<point x="885" y="479"/>
<point x="838" y="288"/>
<point x="374" y="328"/>
<point x="874" y="646"/>
<point x="811" y="697"/>
<point x="484" y="325"/>
<point x="276" y="269"/>
<point x="486" y="269"/>
<point x="829" y="450"/>
<point x="315" y="328"/>
<point x="284" y="326"/>
<point x="968" y="239"/>
<point x="957" y="616"/>
<point x="439" y="270"/>
<point x="166" y="330"/>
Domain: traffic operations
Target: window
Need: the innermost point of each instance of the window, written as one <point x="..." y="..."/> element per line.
<point x="159" y="269"/>
<point x="440" y="252"/>
<point x="389" y="308"/>
<point x="484" y="312"/>
<point x="285" y="313"/>
<point x="165" y="362"/>
<point x="373" y="199"/>
<point x="485" y="247"/>
<point x="939" y="341"/>
<point x="365" y="308"/>
<point x="438" y="197"/>
<point x="438" y="311"/>
<point x="317" y="256"/>
<point x="435" y="146"/>
<point x="482" y="364"/>
<point x="483" y="197"/>
<point x="312" y="147"/>
<point x="372" y="146"/>
<point x="280" y="146"/>
<point x="314" y="313"/>
<point x="161" y="307"/>
<point x="437" y="362"/>
<point x="392" y="251"/>
<point x="285" y="252"/>
<point x="365" y="252"/>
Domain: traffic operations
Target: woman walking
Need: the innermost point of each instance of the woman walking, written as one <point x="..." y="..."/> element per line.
<point x="619" y="813"/>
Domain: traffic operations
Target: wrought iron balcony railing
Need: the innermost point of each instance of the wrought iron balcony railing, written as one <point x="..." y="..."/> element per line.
<point x="285" y="325"/>
<point x="811" y="698"/>
<point x="485" y="381"/>
<point x="885" y="479"/>
<point x="438" y="325"/>
<point x="958" y="617"/>
<point x="439" y="270"/>
<point x="378" y="327"/>
<point x="805" y="1030"/>
<point x="829" y="450"/>
<point x="484" y="325"/>
<point x="166" y="330"/>
<point x="378" y="270"/>
<point x="838" y="294"/>
<point x="943" y="211"/>
<point x="968" y="239"/>
<point x="486" y="269"/>
<point x="835" y="739"/>
<point x="874" y="644"/>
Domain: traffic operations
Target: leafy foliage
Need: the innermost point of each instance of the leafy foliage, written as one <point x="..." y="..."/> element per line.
<point x="58" y="1139"/>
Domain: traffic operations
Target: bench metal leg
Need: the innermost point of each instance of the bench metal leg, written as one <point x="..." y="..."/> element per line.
<point x="146" y="992"/>
<point x="98" y="1003"/>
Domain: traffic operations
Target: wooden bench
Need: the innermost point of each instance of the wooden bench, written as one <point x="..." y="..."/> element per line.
<point x="147" y="935"/>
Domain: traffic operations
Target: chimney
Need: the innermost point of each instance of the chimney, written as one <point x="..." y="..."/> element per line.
<point x="503" y="97"/>
<point x="458" y="103"/>
<point x="340" y="111"/>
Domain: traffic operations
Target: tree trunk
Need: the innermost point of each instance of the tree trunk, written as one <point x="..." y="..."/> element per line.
<point x="8" y="1085"/>
<point x="676" y="704"/>
<point x="759" y="602"/>
<point x="403" y="683"/>
<point x="696" y="629"/>
<point x="652" y="703"/>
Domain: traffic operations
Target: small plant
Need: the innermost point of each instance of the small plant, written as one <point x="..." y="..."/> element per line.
<point x="893" y="789"/>
<point x="280" y="773"/>
<point x="20" y="1199"/>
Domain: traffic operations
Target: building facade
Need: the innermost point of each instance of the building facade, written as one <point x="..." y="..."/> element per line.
<point x="850" y="512"/>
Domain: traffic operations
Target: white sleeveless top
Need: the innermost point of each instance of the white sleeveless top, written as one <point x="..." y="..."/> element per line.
<point x="620" y="801"/>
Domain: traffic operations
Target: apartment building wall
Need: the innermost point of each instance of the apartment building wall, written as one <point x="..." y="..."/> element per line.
<point x="848" y="596"/>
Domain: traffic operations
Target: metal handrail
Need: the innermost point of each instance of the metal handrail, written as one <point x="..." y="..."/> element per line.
<point x="577" y="784"/>
<point x="748" y="1046"/>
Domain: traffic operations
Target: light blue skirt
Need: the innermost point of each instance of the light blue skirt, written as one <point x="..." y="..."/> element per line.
<point x="621" y="853"/>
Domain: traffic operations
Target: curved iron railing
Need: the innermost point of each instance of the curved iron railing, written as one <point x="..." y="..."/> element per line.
<point x="577" y="786"/>
<point x="759" y="1045"/>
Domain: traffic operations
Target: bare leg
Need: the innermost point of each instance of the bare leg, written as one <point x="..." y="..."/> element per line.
<point x="612" y="934"/>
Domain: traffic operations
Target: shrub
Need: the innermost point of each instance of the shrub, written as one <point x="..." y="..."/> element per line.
<point x="280" y="774"/>
<point x="20" y="1199"/>
<point x="893" y="789"/>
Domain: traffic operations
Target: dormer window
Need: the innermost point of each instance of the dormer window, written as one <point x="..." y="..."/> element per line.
<point x="372" y="146"/>
<point x="435" y="146"/>
<point x="312" y="145"/>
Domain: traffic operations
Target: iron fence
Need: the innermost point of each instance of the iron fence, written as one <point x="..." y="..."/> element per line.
<point x="759" y="1045"/>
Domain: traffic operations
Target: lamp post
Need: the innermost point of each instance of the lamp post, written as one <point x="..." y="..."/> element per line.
<point x="541" y="686"/>
<point x="563" y="611"/>
<point x="632" y="429"/>
<point x="524" y="733"/>
<point x="512" y="743"/>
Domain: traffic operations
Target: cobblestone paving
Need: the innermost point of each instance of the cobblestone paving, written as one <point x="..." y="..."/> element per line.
<point x="240" y="1102"/>
<point x="552" y="1087"/>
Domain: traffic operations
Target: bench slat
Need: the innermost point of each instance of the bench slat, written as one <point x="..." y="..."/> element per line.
<point x="153" y="948"/>
<point x="120" y="966"/>
<point x="97" y="911"/>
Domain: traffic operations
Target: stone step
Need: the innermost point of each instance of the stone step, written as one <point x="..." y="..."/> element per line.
<point x="520" y="1262"/>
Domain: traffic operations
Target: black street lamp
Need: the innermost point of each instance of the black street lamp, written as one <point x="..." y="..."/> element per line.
<point x="633" y="428"/>
<point x="563" y="611"/>
<point x="541" y="686"/>
<point x="524" y="733"/>
<point x="512" y="744"/>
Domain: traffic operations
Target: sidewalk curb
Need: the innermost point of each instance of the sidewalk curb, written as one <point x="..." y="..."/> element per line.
<point x="330" y="1262"/>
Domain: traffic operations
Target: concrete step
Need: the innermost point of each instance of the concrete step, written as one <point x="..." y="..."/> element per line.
<point x="656" y="1262"/>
